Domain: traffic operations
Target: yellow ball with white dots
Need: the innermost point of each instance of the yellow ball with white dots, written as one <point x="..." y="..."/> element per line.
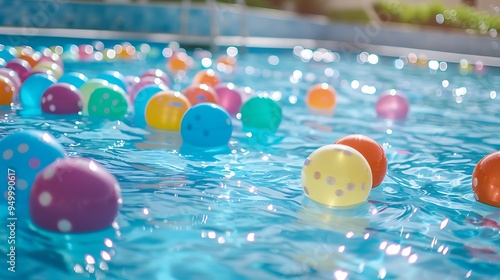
<point x="337" y="176"/>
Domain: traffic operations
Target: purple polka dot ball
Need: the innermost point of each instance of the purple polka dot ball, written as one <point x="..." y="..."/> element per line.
<point x="23" y="154"/>
<point x="74" y="195"/>
<point x="62" y="99"/>
<point x="337" y="176"/>
<point x="392" y="104"/>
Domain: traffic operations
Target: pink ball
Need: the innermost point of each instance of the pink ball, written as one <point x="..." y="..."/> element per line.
<point x="74" y="195"/>
<point x="61" y="99"/>
<point x="12" y="75"/>
<point x="392" y="104"/>
<point x="131" y="81"/>
<point x="145" y="81"/>
<point x="21" y="66"/>
<point x="229" y="98"/>
<point x="158" y="73"/>
<point x="54" y="57"/>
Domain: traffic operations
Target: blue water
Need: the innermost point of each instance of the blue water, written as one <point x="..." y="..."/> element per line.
<point x="243" y="214"/>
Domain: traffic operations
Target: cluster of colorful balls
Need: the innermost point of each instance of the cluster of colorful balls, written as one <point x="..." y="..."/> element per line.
<point x="342" y="174"/>
<point x="61" y="194"/>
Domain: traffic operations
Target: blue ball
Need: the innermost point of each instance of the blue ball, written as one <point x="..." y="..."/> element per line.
<point x="74" y="78"/>
<point x="7" y="52"/>
<point x="141" y="100"/>
<point x="24" y="154"/>
<point x="33" y="88"/>
<point x="115" y="78"/>
<point x="206" y="125"/>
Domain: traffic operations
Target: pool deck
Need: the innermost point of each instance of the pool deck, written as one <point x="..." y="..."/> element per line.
<point x="222" y="25"/>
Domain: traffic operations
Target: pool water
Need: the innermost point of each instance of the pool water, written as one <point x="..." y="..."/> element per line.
<point x="242" y="214"/>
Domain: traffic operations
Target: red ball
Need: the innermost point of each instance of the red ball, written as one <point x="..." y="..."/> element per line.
<point x="371" y="151"/>
<point x="486" y="180"/>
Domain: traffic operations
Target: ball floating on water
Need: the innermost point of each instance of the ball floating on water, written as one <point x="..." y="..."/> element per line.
<point x="7" y="91"/>
<point x="88" y="88"/>
<point x="321" y="97"/>
<point x="74" y="78"/>
<point x="371" y="151"/>
<point x="261" y="112"/>
<point x="26" y="153"/>
<point x="52" y="57"/>
<point x="7" y="52"/>
<point x="20" y="66"/>
<point x="206" y="125"/>
<point x="61" y="99"/>
<point x="179" y="62"/>
<point x="49" y="65"/>
<point x="200" y="93"/>
<point x="115" y="78"/>
<point x="208" y="77"/>
<point x="229" y="98"/>
<point x="157" y="73"/>
<point x="145" y="81"/>
<point x="337" y="176"/>
<point x="74" y="195"/>
<point x="33" y="88"/>
<point x="142" y="99"/>
<point x="392" y="104"/>
<point x="31" y="56"/>
<point x="486" y="180"/>
<point x="13" y="77"/>
<point x="165" y="110"/>
<point x="110" y="102"/>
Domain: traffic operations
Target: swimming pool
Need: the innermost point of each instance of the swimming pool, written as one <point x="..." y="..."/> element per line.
<point x="242" y="214"/>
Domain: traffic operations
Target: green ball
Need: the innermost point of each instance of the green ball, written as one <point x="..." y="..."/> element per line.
<point x="110" y="102"/>
<point x="261" y="112"/>
<point x="88" y="88"/>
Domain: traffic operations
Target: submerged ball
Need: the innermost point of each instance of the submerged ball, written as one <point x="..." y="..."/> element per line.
<point x="486" y="180"/>
<point x="61" y="99"/>
<point x="229" y="98"/>
<point x="165" y="110"/>
<point x="321" y="97"/>
<point x="200" y="93"/>
<point x="24" y="154"/>
<point x="74" y="195"/>
<point x="392" y="104"/>
<point x="371" y="151"/>
<point x="261" y="112"/>
<point x="206" y="125"/>
<point x="337" y="175"/>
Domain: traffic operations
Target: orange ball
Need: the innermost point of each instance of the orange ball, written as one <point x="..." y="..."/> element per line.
<point x="371" y="151"/>
<point x="226" y="63"/>
<point x="321" y="97"/>
<point x="208" y="77"/>
<point x="7" y="90"/>
<point x="30" y="56"/>
<point x="486" y="180"/>
<point x="200" y="94"/>
<point x="178" y="62"/>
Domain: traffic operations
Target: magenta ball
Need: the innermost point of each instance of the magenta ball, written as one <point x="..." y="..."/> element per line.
<point x="229" y="98"/>
<point x="62" y="99"/>
<point x="74" y="195"/>
<point x="20" y="66"/>
<point x="158" y="73"/>
<point x="145" y="81"/>
<point x="392" y="104"/>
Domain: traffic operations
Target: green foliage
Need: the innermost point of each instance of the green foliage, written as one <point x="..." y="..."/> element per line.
<point x="350" y="15"/>
<point x="461" y="16"/>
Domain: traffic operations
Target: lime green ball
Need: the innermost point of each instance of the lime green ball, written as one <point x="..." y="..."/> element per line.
<point x="88" y="88"/>
<point x="110" y="102"/>
<point x="261" y="112"/>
